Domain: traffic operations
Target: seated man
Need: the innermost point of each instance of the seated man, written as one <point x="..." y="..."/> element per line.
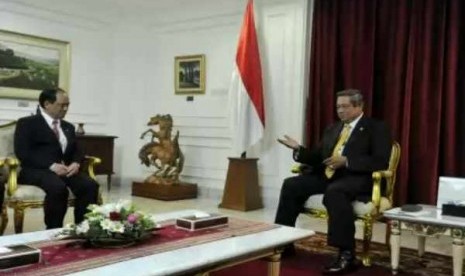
<point x="341" y="168"/>
<point x="46" y="146"/>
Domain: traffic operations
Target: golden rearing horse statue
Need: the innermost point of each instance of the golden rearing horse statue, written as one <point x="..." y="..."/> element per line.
<point x="162" y="151"/>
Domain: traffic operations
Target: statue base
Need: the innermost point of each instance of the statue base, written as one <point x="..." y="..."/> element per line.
<point x="161" y="180"/>
<point x="181" y="190"/>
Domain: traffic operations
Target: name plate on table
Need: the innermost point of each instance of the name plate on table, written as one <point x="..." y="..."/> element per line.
<point x="203" y="221"/>
<point x="18" y="255"/>
<point x="452" y="209"/>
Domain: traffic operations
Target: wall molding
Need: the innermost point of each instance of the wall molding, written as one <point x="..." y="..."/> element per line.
<point x="210" y="146"/>
<point x="53" y="15"/>
<point x="200" y="23"/>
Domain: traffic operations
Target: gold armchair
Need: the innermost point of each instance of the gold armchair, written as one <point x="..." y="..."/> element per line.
<point x="370" y="211"/>
<point x="19" y="196"/>
<point x="3" y="179"/>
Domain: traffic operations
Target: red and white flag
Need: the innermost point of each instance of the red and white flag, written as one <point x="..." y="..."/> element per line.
<point x="246" y="90"/>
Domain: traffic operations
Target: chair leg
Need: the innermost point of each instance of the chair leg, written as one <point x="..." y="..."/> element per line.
<point x="99" y="199"/>
<point x="4" y="217"/>
<point x="367" y="235"/>
<point x="19" y="218"/>
<point x="387" y="238"/>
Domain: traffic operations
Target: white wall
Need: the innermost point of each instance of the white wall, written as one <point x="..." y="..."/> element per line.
<point x="91" y="69"/>
<point x="122" y="74"/>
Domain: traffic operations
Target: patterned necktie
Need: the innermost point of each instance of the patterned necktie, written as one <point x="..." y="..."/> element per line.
<point x="343" y="137"/>
<point x="55" y="129"/>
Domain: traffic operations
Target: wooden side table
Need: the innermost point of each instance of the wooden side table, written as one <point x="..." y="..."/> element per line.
<point x="101" y="146"/>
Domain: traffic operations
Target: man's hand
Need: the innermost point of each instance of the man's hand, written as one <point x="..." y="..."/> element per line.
<point x="335" y="162"/>
<point x="59" y="169"/>
<point x="289" y="142"/>
<point x="72" y="169"/>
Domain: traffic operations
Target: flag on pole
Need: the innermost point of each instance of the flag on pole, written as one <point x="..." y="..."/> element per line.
<point x="246" y="90"/>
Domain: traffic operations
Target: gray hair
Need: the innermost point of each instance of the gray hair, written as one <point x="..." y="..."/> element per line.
<point x="356" y="97"/>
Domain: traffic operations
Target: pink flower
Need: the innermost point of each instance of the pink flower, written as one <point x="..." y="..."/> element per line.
<point x="132" y="218"/>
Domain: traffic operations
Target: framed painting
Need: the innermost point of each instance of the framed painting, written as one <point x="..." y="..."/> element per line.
<point x="189" y="74"/>
<point x="29" y="64"/>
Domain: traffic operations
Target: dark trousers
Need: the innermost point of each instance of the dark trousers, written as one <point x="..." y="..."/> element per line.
<point x="338" y="196"/>
<point x="84" y="188"/>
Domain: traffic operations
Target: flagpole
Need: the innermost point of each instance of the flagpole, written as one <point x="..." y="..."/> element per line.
<point x="242" y="191"/>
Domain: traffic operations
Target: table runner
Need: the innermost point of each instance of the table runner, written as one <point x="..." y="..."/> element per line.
<point x="66" y="256"/>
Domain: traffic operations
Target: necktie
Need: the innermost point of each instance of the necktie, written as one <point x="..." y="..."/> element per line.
<point x="343" y="137"/>
<point x="55" y="129"/>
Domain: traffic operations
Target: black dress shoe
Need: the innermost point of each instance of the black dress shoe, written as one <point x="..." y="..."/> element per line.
<point x="334" y="261"/>
<point x="345" y="263"/>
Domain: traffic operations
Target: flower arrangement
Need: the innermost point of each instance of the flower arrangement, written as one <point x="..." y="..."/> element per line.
<point x="111" y="224"/>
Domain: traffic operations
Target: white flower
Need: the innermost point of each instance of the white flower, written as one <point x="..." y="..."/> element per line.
<point x="112" y="226"/>
<point x="68" y="226"/>
<point x="95" y="218"/>
<point x="117" y="227"/>
<point x="83" y="227"/>
<point x="106" y="224"/>
<point x="110" y="220"/>
<point x="92" y="207"/>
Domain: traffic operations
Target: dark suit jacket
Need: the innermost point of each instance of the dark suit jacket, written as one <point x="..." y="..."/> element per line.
<point x="37" y="147"/>
<point x="368" y="148"/>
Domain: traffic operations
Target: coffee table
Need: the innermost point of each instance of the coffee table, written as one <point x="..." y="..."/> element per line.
<point x="427" y="223"/>
<point x="197" y="259"/>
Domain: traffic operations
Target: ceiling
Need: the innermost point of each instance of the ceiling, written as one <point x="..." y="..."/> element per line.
<point x="155" y="11"/>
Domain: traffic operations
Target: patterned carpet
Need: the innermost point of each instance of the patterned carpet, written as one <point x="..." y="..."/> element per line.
<point x="313" y="253"/>
<point x="429" y="264"/>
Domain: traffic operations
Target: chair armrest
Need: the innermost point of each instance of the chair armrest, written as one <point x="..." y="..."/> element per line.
<point x="300" y="168"/>
<point x="91" y="161"/>
<point x="13" y="164"/>
<point x="296" y="169"/>
<point x="376" y="193"/>
<point x="2" y="163"/>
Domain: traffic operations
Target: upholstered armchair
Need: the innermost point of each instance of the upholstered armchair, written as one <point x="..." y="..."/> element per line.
<point x="367" y="210"/>
<point x="19" y="196"/>
<point x="3" y="179"/>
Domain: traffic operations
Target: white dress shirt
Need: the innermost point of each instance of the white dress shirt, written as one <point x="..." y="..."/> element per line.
<point x="351" y="129"/>
<point x="63" y="141"/>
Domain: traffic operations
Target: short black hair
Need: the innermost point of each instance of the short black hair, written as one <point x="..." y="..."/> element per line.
<point x="356" y="97"/>
<point x="49" y="95"/>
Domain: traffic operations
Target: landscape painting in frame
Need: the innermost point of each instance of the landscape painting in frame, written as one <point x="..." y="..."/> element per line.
<point x="189" y="74"/>
<point x="29" y="64"/>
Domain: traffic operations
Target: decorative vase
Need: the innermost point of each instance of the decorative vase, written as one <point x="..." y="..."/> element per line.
<point x="80" y="129"/>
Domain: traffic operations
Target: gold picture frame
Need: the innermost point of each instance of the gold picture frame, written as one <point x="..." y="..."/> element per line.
<point x="189" y="74"/>
<point x="29" y="64"/>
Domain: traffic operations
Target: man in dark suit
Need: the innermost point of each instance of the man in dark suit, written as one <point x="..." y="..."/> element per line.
<point x="46" y="146"/>
<point x="341" y="168"/>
